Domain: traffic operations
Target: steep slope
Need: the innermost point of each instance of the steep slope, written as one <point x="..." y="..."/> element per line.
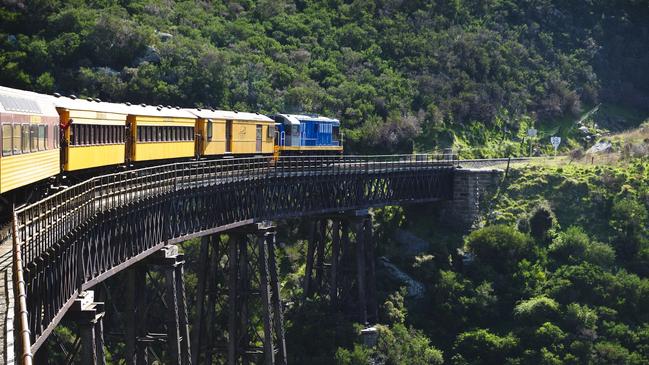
<point x="394" y="71"/>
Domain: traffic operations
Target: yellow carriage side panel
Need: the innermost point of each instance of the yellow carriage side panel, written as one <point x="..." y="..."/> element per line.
<point x="268" y="145"/>
<point x="244" y="137"/>
<point x="163" y="150"/>
<point x="160" y="150"/>
<point x="158" y="121"/>
<point x="21" y="170"/>
<point x="94" y="117"/>
<point x="85" y="157"/>
<point x="215" y="145"/>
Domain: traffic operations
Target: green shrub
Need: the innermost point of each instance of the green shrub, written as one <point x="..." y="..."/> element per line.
<point x="499" y="246"/>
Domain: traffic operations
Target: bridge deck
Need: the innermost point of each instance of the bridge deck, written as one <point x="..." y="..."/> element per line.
<point x="190" y="188"/>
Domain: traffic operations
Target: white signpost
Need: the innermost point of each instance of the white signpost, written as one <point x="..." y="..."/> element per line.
<point x="556" y="141"/>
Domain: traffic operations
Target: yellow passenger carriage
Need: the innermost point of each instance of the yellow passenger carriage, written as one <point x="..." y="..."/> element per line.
<point x="160" y="133"/>
<point x="30" y="139"/>
<point x="94" y="133"/>
<point x="221" y="132"/>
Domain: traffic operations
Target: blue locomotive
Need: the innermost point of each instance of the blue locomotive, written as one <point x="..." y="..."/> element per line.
<point x="307" y="134"/>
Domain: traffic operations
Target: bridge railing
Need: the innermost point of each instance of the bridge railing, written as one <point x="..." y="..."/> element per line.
<point x="41" y="226"/>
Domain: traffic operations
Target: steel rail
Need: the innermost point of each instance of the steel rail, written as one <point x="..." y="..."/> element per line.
<point x="21" y="297"/>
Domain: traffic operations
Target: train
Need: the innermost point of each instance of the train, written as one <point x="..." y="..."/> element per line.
<point x="46" y="137"/>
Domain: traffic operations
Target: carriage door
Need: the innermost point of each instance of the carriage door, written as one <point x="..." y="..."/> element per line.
<point x="228" y="136"/>
<point x="259" y="134"/>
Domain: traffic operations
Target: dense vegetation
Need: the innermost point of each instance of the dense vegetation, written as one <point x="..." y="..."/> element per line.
<point x="430" y="73"/>
<point x="557" y="275"/>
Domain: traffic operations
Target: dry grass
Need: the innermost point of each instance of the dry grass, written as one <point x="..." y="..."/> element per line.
<point x="634" y="136"/>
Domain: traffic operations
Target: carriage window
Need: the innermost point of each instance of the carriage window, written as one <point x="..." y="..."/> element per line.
<point x="81" y="133"/>
<point x="33" y="133"/>
<point x="93" y="134"/>
<point x="25" y="138"/>
<point x="42" y="137"/>
<point x="7" y="139"/>
<point x="84" y="136"/>
<point x="87" y="135"/>
<point x="97" y="133"/>
<point x="17" y="138"/>
<point x="76" y="140"/>
<point x="56" y="135"/>
<point x="210" y="130"/>
<point x="73" y="134"/>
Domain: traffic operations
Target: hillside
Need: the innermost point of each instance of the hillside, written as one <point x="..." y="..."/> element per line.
<point x="557" y="275"/>
<point x="398" y="74"/>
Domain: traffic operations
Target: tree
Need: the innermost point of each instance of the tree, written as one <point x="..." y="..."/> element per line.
<point x="401" y="345"/>
<point x="541" y="221"/>
<point x="499" y="246"/>
<point x="537" y="310"/>
<point x="628" y="219"/>
<point x="574" y="246"/>
<point x="394" y="307"/>
<point x="483" y="347"/>
<point x="360" y="355"/>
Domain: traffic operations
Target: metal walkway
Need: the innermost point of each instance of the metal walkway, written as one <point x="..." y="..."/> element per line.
<point x="79" y="237"/>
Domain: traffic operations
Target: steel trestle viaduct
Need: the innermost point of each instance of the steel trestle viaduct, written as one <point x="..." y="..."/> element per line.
<point x="66" y="244"/>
